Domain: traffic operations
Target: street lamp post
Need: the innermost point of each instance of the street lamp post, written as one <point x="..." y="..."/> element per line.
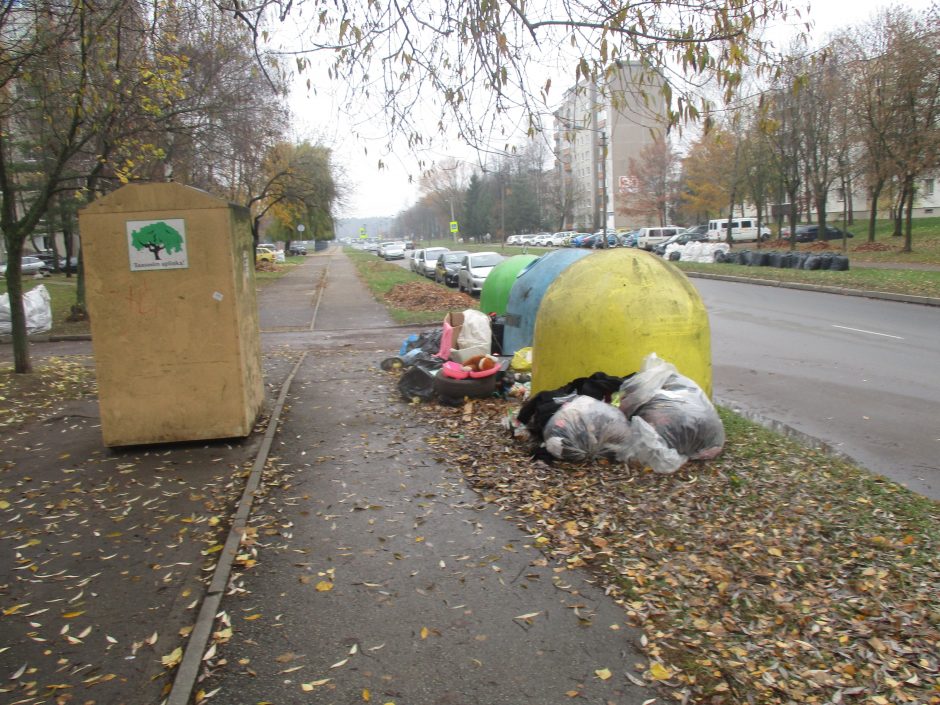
<point x="602" y="211"/>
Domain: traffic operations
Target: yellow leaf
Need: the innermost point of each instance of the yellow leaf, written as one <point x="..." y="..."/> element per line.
<point x="775" y="552"/>
<point x="214" y="549"/>
<point x="252" y="617"/>
<point x="71" y="615"/>
<point x="173" y="658"/>
<point x="366" y="695"/>
<point x="4" y="504"/>
<point x="660" y="672"/>
<point x="603" y="673"/>
<point x="572" y="693"/>
<point x="307" y="687"/>
<point x="541" y="541"/>
<point x="424" y="632"/>
<point x="324" y="586"/>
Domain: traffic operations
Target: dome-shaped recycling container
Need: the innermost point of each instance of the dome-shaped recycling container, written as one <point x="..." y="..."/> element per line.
<point x="607" y="312"/>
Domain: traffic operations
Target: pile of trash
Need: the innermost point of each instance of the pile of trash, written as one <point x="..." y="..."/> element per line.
<point x="656" y="417"/>
<point x="786" y="260"/>
<point x="706" y="252"/>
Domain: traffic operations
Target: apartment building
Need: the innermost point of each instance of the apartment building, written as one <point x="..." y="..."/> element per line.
<point x="598" y="129"/>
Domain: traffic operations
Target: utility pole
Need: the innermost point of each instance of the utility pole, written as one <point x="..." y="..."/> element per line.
<point x="604" y="188"/>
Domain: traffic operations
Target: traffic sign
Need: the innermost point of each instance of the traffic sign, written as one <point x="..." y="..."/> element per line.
<point x="453" y="226"/>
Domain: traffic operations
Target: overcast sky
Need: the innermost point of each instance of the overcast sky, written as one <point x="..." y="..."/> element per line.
<point x="386" y="192"/>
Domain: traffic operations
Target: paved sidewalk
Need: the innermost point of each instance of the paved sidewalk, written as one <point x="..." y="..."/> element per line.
<point x="369" y="569"/>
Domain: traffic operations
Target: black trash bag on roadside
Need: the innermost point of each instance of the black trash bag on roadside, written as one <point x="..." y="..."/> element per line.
<point x="675" y="256"/>
<point x="784" y="261"/>
<point x="429" y="341"/>
<point x="757" y="259"/>
<point x="796" y="260"/>
<point x="773" y="259"/>
<point x="812" y="262"/>
<point x="720" y="257"/>
<point x="840" y="263"/>
<point x="825" y="260"/>
<point x="417" y="382"/>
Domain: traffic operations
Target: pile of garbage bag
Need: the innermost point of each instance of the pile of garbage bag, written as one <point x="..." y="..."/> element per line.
<point x="658" y="418"/>
<point x="706" y="252"/>
<point x="797" y="259"/>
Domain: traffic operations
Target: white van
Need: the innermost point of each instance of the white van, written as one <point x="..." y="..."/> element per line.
<point x="742" y="230"/>
<point x="648" y="238"/>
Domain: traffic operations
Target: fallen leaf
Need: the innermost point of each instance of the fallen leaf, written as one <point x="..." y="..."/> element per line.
<point x="324" y="586"/>
<point x="603" y="673"/>
<point x="173" y="658"/>
<point x="660" y="672"/>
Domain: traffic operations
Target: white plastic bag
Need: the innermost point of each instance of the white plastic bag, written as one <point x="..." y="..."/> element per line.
<point x="475" y="331"/>
<point x="676" y="407"/>
<point x="585" y="429"/>
<point x="37" y="307"/>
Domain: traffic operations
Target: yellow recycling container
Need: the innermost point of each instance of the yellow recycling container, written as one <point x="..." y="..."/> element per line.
<point x="607" y="312"/>
<point x="170" y="288"/>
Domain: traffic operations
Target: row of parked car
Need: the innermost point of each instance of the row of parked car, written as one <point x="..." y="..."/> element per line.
<point x="656" y="238"/>
<point x="465" y="270"/>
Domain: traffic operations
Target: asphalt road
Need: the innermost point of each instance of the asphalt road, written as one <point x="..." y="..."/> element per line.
<point x="862" y="375"/>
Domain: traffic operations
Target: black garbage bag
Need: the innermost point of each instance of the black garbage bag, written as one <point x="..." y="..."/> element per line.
<point x="812" y="262"/>
<point x="417" y="382"/>
<point x="784" y="261"/>
<point x="840" y="263"/>
<point x="825" y="260"/>
<point x="675" y="256"/>
<point x="720" y="257"/>
<point x="757" y="259"/>
<point x="773" y="259"/>
<point x="796" y="260"/>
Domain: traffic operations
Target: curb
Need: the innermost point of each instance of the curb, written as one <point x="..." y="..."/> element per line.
<point x="784" y="429"/>
<point x="188" y="671"/>
<point x="883" y="295"/>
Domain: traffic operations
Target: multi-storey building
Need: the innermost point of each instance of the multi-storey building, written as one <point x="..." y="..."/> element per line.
<point x="598" y="130"/>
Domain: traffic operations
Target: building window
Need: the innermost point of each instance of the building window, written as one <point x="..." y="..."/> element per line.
<point x="928" y="187"/>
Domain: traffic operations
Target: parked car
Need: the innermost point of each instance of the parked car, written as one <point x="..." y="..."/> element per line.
<point x="428" y="260"/>
<point x="297" y="249"/>
<point x="578" y="239"/>
<point x="29" y="266"/>
<point x="266" y="252"/>
<point x="394" y="250"/>
<point x="629" y="239"/>
<point x="808" y="233"/>
<point x="445" y="271"/>
<point x="415" y="254"/>
<point x="742" y="230"/>
<point x="648" y="238"/>
<point x="475" y="267"/>
<point x="683" y="238"/>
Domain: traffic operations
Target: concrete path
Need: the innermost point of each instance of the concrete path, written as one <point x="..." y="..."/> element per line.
<point x="380" y="575"/>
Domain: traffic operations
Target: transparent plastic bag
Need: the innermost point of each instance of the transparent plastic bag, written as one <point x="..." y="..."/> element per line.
<point x="586" y="429"/>
<point x="676" y="407"/>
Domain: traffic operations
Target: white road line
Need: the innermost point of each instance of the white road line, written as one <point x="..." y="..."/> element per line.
<point x="870" y="332"/>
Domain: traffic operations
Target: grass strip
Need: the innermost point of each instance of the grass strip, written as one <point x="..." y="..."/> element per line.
<point x="895" y="281"/>
<point x="774" y="574"/>
<point x="381" y="276"/>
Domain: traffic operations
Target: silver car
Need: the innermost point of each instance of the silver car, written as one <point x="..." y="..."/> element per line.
<point x="474" y="269"/>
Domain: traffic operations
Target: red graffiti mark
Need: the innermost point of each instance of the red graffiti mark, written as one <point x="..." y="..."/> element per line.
<point x="139" y="299"/>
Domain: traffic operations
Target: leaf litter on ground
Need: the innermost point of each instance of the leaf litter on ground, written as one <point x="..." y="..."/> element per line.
<point x="773" y="574"/>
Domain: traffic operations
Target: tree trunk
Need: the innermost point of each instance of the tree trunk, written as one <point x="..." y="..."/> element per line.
<point x="897" y="214"/>
<point x="21" y="363"/>
<point x="873" y="211"/>
<point x="908" y="240"/>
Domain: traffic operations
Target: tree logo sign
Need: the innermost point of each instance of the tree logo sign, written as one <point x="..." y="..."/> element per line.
<point x="157" y="244"/>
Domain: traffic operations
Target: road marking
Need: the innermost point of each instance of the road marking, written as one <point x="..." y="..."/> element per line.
<point x="870" y="332"/>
